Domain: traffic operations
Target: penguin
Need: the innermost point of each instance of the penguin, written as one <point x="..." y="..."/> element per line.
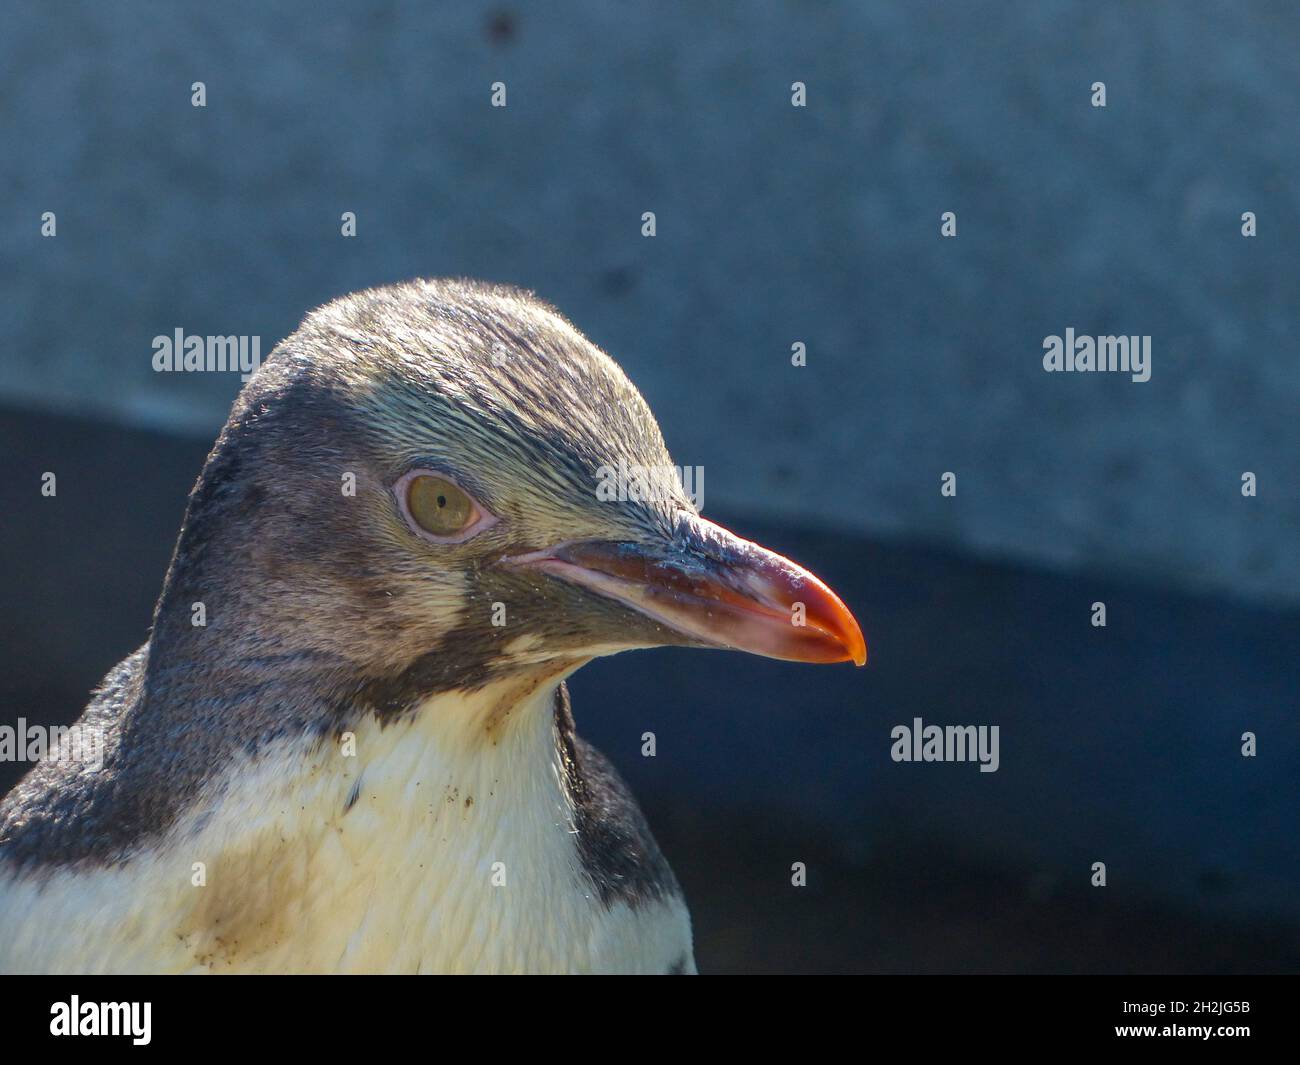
<point x="347" y="744"/>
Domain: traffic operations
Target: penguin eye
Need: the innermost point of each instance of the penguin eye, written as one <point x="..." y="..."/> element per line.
<point x="438" y="509"/>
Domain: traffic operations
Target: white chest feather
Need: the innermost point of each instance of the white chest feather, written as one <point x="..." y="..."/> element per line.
<point x="433" y="845"/>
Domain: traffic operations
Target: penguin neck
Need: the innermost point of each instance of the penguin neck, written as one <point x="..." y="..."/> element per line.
<point x="429" y="843"/>
<point x="389" y="845"/>
<point x="283" y="709"/>
<point x="251" y="697"/>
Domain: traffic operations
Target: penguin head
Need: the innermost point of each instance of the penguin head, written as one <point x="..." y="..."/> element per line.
<point x="441" y="482"/>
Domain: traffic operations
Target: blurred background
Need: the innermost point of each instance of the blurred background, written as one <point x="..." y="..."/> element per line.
<point x="775" y="225"/>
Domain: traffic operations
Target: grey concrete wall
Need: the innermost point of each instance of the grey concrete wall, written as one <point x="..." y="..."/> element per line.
<point x="775" y="225"/>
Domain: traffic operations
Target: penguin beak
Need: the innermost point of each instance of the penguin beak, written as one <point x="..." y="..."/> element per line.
<point x="714" y="588"/>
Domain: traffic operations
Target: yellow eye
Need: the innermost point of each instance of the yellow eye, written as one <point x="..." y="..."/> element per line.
<point x="438" y="507"/>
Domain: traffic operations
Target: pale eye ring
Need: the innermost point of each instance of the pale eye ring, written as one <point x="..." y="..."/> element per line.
<point x="438" y="509"/>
